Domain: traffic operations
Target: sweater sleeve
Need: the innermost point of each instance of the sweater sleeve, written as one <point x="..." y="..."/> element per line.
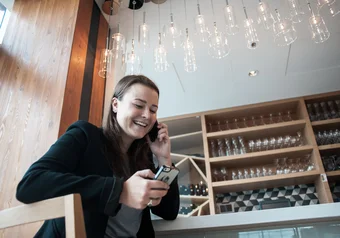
<point x="53" y="175"/>
<point x="169" y="206"/>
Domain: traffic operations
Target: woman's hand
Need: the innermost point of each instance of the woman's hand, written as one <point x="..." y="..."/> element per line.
<point x="139" y="189"/>
<point x="161" y="147"/>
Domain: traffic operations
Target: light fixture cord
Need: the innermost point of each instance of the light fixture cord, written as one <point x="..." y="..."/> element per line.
<point x="171" y="15"/>
<point x="159" y="25"/>
<point x="186" y="18"/>
<point x="310" y="8"/>
<point x="278" y="14"/>
<point x="198" y="7"/>
<point x="244" y="9"/>
<point x="108" y="27"/>
<point x="227" y="2"/>
<point x="144" y="14"/>
<point x="133" y="27"/>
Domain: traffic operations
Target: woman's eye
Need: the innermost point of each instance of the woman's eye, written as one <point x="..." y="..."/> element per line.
<point x="152" y="111"/>
<point x="138" y="106"/>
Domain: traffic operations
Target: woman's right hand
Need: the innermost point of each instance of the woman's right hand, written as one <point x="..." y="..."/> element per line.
<point x="140" y="188"/>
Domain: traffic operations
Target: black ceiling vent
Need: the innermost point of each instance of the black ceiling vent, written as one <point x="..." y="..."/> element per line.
<point x="139" y="4"/>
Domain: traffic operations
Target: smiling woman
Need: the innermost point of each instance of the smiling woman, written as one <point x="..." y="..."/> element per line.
<point x="111" y="168"/>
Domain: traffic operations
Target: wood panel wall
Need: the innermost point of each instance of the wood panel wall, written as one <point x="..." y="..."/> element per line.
<point x="42" y="65"/>
<point x="98" y="84"/>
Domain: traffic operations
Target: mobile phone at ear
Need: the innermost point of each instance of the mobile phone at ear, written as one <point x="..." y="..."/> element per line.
<point x="154" y="132"/>
<point x="166" y="174"/>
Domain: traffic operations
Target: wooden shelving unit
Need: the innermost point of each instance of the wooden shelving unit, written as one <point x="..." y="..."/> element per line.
<point x="190" y="137"/>
<point x="326" y="122"/>
<point x="260" y="131"/>
<point x="265" y="182"/>
<point x="329" y="147"/>
<point x="333" y="174"/>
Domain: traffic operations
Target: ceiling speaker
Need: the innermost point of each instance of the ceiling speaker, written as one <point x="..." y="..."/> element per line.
<point x="115" y="7"/>
<point x="158" y="1"/>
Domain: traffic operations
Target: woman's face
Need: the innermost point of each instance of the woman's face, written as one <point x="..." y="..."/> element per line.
<point x="136" y="111"/>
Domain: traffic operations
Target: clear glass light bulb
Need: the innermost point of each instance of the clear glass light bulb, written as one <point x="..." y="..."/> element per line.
<point x="218" y="44"/>
<point x="105" y="64"/>
<point x="328" y="2"/>
<point x="144" y="36"/>
<point x="334" y="8"/>
<point x="265" y="16"/>
<point x="284" y="31"/>
<point x="189" y="55"/>
<point x="160" y="59"/>
<point x="250" y="34"/>
<point x="133" y="62"/>
<point x="318" y="29"/>
<point x="201" y="29"/>
<point x="232" y="27"/>
<point x="295" y="10"/>
<point x="117" y="45"/>
<point x="172" y="33"/>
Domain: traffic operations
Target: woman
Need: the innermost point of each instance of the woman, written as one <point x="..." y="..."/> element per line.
<point x="111" y="168"/>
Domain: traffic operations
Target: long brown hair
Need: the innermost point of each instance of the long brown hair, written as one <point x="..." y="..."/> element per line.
<point x="137" y="154"/>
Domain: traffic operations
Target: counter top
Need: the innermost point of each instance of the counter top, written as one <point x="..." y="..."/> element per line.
<point x="253" y="219"/>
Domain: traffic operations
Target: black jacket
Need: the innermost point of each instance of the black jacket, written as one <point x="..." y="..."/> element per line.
<point x="76" y="164"/>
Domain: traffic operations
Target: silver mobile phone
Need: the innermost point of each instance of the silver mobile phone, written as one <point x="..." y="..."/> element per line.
<point x="166" y="174"/>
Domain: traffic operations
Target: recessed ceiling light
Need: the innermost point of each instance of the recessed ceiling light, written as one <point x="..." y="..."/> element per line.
<point x="253" y="73"/>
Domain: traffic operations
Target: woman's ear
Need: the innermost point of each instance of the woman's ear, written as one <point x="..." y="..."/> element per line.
<point x="114" y="104"/>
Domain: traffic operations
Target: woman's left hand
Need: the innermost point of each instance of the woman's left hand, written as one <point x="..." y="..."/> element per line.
<point x="161" y="147"/>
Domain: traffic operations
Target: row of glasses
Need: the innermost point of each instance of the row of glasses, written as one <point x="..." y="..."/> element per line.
<point x="327" y="137"/>
<point x="281" y="166"/>
<point x="288" y="165"/>
<point x="227" y="146"/>
<point x="324" y="110"/>
<point x="244" y="122"/>
<point x="331" y="162"/>
<point x="273" y="143"/>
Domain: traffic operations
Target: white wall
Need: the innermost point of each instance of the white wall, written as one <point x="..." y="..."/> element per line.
<point x="8" y="4"/>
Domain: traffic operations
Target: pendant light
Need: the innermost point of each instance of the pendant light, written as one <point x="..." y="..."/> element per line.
<point x="160" y="56"/>
<point x="232" y="27"/>
<point x="250" y="34"/>
<point x="217" y="41"/>
<point x="284" y="31"/>
<point x="171" y="31"/>
<point x="105" y="61"/>
<point x="265" y="16"/>
<point x="317" y="27"/>
<point x="133" y="61"/>
<point x="201" y="29"/>
<point x="188" y="47"/>
<point x="144" y="33"/>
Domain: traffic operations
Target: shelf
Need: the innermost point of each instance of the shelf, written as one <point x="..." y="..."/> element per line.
<point x="329" y="147"/>
<point x="193" y="199"/>
<point x="191" y="143"/>
<point x="191" y="172"/>
<point x="265" y="182"/>
<point x="261" y="156"/>
<point x="333" y="174"/>
<point x="176" y="158"/>
<point x="183" y="126"/>
<point x="253" y="110"/>
<point x="187" y="135"/>
<point x="326" y="122"/>
<point x="195" y="211"/>
<point x="261" y="131"/>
